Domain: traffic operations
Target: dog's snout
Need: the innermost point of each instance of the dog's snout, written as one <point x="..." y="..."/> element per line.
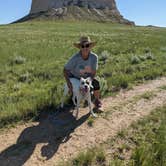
<point x="86" y="86"/>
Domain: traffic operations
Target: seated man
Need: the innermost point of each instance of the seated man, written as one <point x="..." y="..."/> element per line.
<point x="84" y="64"/>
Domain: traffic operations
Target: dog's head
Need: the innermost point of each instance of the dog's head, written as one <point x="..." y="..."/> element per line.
<point x="85" y="84"/>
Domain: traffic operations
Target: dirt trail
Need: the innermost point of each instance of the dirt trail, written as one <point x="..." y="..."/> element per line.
<point x="61" y="136"/>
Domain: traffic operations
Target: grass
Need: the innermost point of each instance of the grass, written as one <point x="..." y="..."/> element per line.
<point x="152" y="150"/>
<point x="142" y="144"/>
<point x="90" y="121"/>
<point x="33" y="55"/>
<point x="94" y="156"/>
<point x="163" y="87"/>
<point x="147" y="95"/>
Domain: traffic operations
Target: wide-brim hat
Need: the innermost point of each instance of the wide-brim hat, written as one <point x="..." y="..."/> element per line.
<point x="85" y="40"/>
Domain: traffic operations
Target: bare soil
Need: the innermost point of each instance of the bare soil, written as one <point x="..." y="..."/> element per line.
<point x="60" y="136"/>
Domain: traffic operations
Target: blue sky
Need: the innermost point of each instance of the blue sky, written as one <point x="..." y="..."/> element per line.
<point x="142" y="12"/>
<point x="11" y="10"/>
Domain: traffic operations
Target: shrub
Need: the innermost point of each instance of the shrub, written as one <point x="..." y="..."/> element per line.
<point x="129" y="70"/>
<point x="90" y="122"/>
<point x="26" y="77"/>
<point x="43" y="75"/>
<point x="149" y="56"/>
<point x="135" y="59"/>
<point x="103" y="85"/>
<point x="94" y="156"/>
<point x="120" y="81"/>
<point x="163" y="49"/>
<point x="18" y="60"/>
<point x="104" y="56"/>
<point x="100" y="157"/>
<point x="84" y="159"/>
<point x="147" y="50"/>
<point x="142" y="58"/>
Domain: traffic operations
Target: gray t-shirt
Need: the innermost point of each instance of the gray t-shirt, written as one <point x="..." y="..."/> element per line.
<point x="79" y="67"/>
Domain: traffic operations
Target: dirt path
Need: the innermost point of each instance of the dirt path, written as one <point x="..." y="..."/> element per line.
<point x="61" y="136"/>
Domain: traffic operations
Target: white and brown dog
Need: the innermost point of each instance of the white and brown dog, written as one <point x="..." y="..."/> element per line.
<point x="81" y="91"/>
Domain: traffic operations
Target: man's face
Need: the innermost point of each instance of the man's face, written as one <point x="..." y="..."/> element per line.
<point x="85" y="48"/>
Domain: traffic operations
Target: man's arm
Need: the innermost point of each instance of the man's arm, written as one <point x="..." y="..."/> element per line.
<point x="94" y="66"/>
<point x="66" y="75"/>
<point x="93" y="73"/>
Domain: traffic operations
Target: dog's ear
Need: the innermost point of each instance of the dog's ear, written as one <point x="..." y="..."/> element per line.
<point x="89" y="78"/>
<point x="81" y="79"/>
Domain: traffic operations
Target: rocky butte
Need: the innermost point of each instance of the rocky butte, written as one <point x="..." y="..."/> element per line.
<point x="97" y="10"/>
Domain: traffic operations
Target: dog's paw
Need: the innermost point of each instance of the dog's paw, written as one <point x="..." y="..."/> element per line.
<point x="62" y="105"/>
<point x="94" y="115"/>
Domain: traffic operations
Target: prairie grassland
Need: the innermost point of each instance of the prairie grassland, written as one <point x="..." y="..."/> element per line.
<point x="33" y="55"/>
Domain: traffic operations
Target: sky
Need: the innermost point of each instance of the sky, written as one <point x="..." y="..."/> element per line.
<point x="142" y="12"/>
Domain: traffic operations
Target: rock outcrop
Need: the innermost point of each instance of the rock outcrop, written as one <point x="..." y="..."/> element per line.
<point x="99" y="10"/>
<point x="44" y="5"/>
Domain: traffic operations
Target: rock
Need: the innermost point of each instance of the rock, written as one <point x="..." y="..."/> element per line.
<point x="44" y="5"/>
<point x="98" y="10"/>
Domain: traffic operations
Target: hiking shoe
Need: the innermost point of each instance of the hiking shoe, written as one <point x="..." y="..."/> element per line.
<point x="98" y="105"/>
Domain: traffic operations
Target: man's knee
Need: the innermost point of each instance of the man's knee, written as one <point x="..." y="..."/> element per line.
<point x="96" y="85"/>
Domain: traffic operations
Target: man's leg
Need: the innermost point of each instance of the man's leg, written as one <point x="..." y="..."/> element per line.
<point x="97" y="94"/>
<point x="96" y="87"/>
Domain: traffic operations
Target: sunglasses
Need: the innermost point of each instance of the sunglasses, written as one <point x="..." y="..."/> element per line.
<point x="85" y="46"/>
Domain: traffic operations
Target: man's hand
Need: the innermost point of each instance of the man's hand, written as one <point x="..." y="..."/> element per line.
<point x="70" y="88"/>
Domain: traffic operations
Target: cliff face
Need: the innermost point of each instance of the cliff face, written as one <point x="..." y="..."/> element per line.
<point x="98" y="10"/>
<point x="44" y="5"/>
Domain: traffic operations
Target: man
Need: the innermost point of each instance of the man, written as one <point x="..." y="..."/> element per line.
<point x="84" y="64"/>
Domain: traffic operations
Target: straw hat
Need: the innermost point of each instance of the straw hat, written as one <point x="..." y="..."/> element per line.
<point x="85" y="40"/>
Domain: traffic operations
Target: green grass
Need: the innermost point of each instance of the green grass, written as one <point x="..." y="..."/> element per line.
<point x="144" y="141"/>
<point x="147" y="95"/>
<point x="94" y="156"/>
<point x="152" y="148"/>
<point x="33" y="55"/>
<point x="90" y="121"/>
<point x="163" y="87"/>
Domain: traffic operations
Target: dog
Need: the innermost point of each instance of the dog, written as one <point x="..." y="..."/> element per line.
<point x="81" y="91"/>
